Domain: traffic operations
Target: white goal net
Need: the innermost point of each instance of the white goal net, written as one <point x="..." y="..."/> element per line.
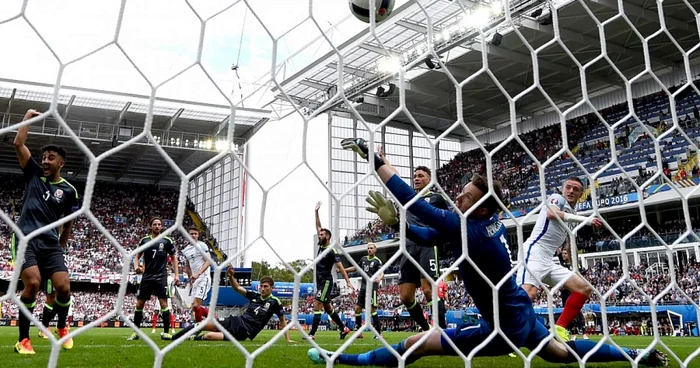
<point x="528" y="92"/>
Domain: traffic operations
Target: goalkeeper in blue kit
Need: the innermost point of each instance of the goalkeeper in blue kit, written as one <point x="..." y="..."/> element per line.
<point x="487" y="247"/>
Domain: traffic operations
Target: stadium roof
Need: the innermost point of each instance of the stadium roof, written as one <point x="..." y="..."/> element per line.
<point x="430" y="93"/>
<point x="188" y="131"/>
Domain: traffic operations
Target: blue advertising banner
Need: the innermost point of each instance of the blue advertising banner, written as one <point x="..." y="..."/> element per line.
<point x="286" y="289"/>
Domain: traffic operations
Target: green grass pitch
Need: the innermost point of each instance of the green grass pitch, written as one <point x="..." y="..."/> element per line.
<point x="109" y="348"/>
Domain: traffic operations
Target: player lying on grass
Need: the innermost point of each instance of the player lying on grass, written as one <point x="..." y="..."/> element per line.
<point x="261" y="308"/>
<point x="488" y="249"/>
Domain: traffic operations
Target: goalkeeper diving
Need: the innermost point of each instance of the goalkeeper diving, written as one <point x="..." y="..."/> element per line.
<point x="487" y="246"/>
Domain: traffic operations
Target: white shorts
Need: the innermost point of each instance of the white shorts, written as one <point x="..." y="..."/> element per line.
<point x="548" y="273"/>
<point x="201" y="288"/>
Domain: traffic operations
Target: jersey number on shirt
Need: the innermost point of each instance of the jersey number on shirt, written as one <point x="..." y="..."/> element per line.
<point x="432" y="265"/>
<point x="47" y="195"/>
<point x="256" y="310"/>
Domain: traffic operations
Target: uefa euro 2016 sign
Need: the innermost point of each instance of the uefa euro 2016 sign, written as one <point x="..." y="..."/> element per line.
<point x="608" y="202"/>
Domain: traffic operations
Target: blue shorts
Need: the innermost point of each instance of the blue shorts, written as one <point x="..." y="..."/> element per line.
<point x="467" y="336"/>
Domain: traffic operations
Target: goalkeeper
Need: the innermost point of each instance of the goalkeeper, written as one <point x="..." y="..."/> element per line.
<point x="488" y="249"/>
<point x="261" y="308"/>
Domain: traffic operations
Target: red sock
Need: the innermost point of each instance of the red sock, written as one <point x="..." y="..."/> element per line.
<point x="197" y="314"/>
<point x="154" y="320"/>
<point x="572" y="308"/>
<point x="205" y="312"/>
<point x="172" y="320"/>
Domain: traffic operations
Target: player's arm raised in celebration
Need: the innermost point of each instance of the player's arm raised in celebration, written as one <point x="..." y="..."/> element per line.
<point x="23" y="154"/>
<point x="234" y="284"/>
<point x="318" y="219"/>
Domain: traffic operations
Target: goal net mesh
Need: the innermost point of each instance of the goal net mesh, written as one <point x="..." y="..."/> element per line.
<point x="485" y="112"/>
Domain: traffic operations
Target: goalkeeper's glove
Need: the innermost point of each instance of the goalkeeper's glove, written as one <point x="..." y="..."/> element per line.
<point x="382" y="207"/>
<point x="359" y="145"/>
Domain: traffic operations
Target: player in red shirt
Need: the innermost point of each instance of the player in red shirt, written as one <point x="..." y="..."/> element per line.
<point x="443" y="297"/>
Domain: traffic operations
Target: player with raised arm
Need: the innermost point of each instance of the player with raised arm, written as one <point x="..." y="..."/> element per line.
<point x="198" y="273"/>
<point x="547" y="236"/>
<point x="324" y="280"/>
<point x="47" y="198"/>
<point x="263" y="305"/>
<point x="487" y="248"/>
<point x="370" y="264"/>
<point x="155" y="275"/>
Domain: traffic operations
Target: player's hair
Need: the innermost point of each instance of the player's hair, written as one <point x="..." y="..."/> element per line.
<point x="424" y="169"/>
<point x="194" y="228"/>
<point x="327" y="232"/>
<point x="150" y="223"/>
<point x="267" y="280"/>
<point x="370" y="243"/>
<point x="53" y="148"/>
<point x="490" y="204"/>
<point x="574" y="178"/>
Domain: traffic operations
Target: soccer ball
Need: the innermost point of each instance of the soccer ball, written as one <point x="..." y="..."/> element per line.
<point x="360" y="9"/>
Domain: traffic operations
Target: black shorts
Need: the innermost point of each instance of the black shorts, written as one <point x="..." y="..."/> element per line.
<point x="363" y="294"/>
<point x="428" y="259"/>
<point x="159" y="288"/>
<point x="47" y="254"/>
<point x="324" y="289"/>
<point x="235" y="326"/>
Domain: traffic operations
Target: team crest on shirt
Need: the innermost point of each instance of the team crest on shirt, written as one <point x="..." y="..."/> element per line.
<point x="160" y="247"/>
<point x="58" y="194"/>
<point x="553" y="201"/>
<point x="427" y="199"/>
<point x="267" y="305"/>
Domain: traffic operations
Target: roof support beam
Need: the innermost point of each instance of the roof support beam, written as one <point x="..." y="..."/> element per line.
<point x="587" y="40"/>
<point x="651" y="16"/>
<point x="122" y="112"/>
<point x="173" y="119"/>
<point x="413" y="26"/>
<point x="356" y="71"/>
<point x="168" y="169"/>
<point x="70" y="103"/>
<point x="314" y="84"/>
<point x="6" y="118"/>
<point x="220" y="127"/>
<point x="374" y="49"/>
